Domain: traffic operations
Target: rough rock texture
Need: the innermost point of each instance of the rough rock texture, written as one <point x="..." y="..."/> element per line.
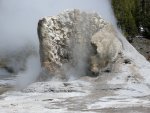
<point x="67" y="38"/>
<point x="107" y="47"/>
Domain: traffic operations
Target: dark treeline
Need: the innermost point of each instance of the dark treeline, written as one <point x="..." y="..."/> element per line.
<point x="133" y="17"/>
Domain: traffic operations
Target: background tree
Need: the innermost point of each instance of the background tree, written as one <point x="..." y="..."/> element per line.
<point x="132" y="16"/>
<point x="146" y="17"/>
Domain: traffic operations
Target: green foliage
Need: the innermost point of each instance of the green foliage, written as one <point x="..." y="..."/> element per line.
<point x="146" y="17"/>
<point x="131" y="15"/>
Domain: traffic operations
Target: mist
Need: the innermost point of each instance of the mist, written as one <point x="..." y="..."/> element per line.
<point x="18" y="25"/>
<point x="32" y="71"/>
<point x="19" y="18"/>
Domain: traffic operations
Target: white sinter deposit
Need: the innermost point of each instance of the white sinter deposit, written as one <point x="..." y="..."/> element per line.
<point x="72" y="45"/>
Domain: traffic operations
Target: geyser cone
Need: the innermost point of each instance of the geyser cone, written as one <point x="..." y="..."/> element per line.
<point x="66" y="43"/>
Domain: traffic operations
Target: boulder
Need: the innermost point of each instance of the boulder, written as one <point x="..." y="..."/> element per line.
<point x="69" y="40"/>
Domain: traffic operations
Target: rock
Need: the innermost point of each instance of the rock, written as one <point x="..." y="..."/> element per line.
<point x="67" y="39"/>
<point x="143" y="46"/>
<point x="107" y="48"/>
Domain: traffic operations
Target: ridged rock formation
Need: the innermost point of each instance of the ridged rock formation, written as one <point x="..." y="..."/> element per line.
<point x="76" y="39"/>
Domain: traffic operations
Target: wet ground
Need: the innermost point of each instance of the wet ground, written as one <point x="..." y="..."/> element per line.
<point x="91" y="103"/>
<point x="92" y="95"/>
<point x="125" y="110"/>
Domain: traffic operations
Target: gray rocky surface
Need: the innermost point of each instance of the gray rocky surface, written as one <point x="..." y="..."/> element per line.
<point x="66" y="39"/>
<point x="143" y="46"/>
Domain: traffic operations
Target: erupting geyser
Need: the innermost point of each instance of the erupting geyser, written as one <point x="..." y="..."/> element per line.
<point x="92" y="66"/>
<point x="18" y="30"/>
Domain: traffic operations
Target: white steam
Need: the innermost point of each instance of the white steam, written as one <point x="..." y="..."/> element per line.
<point x="32" y="71"/>
<point x="19" y="18"/>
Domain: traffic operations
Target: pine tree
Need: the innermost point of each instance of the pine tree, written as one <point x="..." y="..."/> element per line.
<point x="132" y="15"/>
<point x="124" y="11"/>
<point x="146" y="17"/>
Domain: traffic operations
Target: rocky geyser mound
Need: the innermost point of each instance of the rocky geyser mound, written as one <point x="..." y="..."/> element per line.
<point x="77" y="43"/>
